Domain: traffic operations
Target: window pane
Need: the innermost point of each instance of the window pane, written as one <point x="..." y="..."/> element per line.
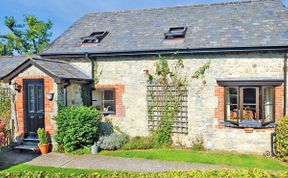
<point x="231" y="104"/>
<point x="249" y="96"/>
<point x="109" y="95"/>
<point x="268" y="104"/>
<point x="268" y="95"/>
<point x="249" y="104"/>
<point x="109" y="106"/>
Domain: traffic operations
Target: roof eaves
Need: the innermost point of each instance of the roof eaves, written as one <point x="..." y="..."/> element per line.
<point x="169" y="51"/>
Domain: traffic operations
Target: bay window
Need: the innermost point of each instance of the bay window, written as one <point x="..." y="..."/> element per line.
<point x="246" y="104"/>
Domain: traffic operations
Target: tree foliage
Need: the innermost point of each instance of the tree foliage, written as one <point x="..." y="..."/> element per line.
<point x="30" y="37"/>
<point x="7" y="49"/>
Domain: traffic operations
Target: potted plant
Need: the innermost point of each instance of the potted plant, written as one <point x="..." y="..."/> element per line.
<point x="43" y="141"/>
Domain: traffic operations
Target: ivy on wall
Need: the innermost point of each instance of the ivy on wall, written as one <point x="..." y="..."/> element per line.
<point x="5" y="105"/>
<point x="60" y="95"/>
<point x="86" y="94"/>
<point x="96" y="72"/>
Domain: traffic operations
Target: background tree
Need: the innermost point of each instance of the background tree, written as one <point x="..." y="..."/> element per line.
<point x="8" y="50"/>
<point x="31" y="37"/>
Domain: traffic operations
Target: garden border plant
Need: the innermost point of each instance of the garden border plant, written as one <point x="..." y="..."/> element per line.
<point x="167" y="76"/>
<point x="281" y="143"/>
<point x="76" y="127"/>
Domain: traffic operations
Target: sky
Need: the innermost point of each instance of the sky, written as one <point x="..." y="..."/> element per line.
<point x="63" y="13"/>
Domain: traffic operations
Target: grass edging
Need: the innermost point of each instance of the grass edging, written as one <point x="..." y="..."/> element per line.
<point x="203" y="157"/>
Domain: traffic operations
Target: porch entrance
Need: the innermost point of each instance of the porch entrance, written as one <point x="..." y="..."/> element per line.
<point x="33" y="107"/>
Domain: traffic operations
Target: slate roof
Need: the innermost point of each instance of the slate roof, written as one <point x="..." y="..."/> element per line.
<point x="255" y="23"/>
<point x="59" y="70"/>
<point x="7" y="64"/>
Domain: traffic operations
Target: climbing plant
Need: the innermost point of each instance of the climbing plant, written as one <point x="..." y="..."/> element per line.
<point x="171" y="81"/>
<point x="97" y="72"/>
<point x="5" y="103"/>
<point x="86" y="94"/>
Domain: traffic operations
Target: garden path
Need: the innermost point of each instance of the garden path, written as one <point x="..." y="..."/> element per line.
<point x="115" y="163"/>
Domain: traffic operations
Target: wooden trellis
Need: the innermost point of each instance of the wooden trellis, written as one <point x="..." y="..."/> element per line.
<point x="157" y="96"/>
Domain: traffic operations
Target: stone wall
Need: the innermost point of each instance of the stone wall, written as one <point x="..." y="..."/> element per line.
<point x="74" y="95"/>
<point x="202" y="100"/>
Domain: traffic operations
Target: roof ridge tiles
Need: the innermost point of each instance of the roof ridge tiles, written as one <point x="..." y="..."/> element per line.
<point x="185" y="6"/>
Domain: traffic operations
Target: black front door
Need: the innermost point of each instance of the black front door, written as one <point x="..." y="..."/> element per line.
<point x="33" y="106"/>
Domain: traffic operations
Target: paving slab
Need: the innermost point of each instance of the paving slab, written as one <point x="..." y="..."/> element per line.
<point x="9" y="158"/>
<point x="116" y="163"/>
<point x="52" y="159"/>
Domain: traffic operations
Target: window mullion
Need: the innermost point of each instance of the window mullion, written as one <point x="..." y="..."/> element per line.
<point x="103" y="105"/>
<point x="240" y="89"/>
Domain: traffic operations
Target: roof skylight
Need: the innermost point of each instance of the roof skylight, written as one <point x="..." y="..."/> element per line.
<point x="95" y="37"/>
<point x="176" y="32"/>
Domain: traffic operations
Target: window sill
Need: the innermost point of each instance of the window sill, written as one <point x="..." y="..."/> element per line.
<point x="248" y="124"/>
<point x="106" y="113"/>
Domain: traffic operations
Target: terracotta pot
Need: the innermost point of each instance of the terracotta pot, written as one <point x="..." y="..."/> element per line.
<point x="44" y="148"/>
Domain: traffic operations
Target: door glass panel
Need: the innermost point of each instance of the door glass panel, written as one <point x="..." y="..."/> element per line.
<point x="40" y="98"/>
<point x="249" y="104"/>
<point x="31" y="98"/>
<point x="232" y="104"/>
<point x="268" y="102"/>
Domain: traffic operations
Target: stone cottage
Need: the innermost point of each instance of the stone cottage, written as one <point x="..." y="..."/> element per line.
<point x="236" y="110"/>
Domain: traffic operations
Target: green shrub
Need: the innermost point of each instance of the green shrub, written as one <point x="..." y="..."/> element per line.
<point x="113" y="141"/>
<point x="105" y="128"/>
<point x="255" y="173"/>
<point x="138" y="143"/>
<point x="281" y="140"/>
<point x="76" y="127"/>
<point x="198" y="143"/>
<point x="42" y="136"/>
<point x="82" y="151"/>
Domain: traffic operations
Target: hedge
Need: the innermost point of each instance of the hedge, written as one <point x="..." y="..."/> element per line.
<point x="194" y="173"/>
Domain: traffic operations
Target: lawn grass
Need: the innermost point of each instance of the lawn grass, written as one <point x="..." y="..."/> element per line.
<point x="205" y="157"/>
<point x="66" y="171"/>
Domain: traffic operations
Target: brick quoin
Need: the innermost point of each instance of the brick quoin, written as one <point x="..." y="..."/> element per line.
<point x="220" y="111"/>
<point x="119" y="91"/>
<point x="279" y="99"/>
<point x="48" y="105"/>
